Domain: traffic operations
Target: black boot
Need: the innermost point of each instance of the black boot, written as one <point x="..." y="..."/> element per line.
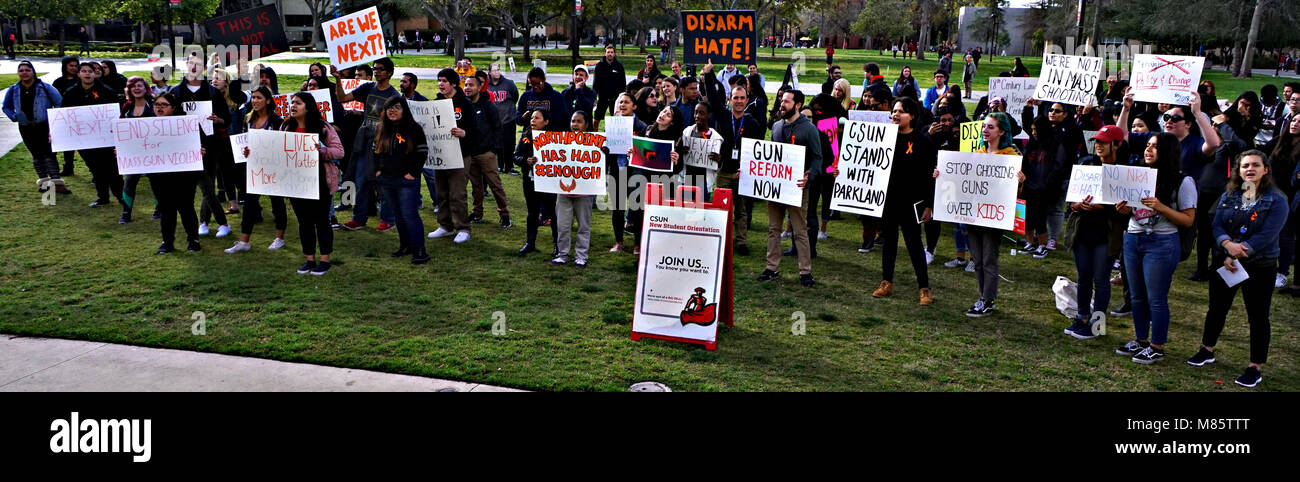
<point x="401" y="251"/>
<point x="420" y="257"/>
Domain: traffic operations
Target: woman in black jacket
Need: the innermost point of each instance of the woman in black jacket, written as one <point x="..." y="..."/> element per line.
<point x="1052" y="149"/>
<point x="667" y="126"/>
<point x="541" y="205"/>
<point x="400" y="152"/>
<point x="175" y="191"/>
<point x="616" y="168"/>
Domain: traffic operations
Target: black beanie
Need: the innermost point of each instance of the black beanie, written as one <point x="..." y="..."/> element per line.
<point x="452" y="77"/>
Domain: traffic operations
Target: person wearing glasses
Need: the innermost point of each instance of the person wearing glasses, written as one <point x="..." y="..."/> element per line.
<point x="372" y="97"/>
<point x="1196" y="149"/>
<point x="940" y="89"/>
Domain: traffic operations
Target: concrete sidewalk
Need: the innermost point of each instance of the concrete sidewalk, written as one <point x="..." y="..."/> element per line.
<point x="49" y="364"/>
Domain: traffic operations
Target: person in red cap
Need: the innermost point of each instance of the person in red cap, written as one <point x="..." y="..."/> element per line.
<point x="1093" y="225"/>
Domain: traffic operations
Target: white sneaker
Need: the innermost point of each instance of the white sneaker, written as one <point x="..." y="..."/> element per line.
<point x="970" y="266"/>
<point x="277" y="244"/>
<point x="239" y="246"/>
<point x="785" y="235"/>
<point x="223" y="231"/>
<point x="440" y="233"/>
<point x="929" y="257"/>
<point x="203" y="229"/>
<point x="955" y="263"/>
<point x="461" y="237"/>
<point x="1280" y="282"/>
<point x="822" y="236"/>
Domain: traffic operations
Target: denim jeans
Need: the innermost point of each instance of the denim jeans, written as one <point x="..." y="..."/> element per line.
<point x="403" y="196"/>
<point x="1093" y="266"/>
<point x="361" y="208"/>
<point x="1149" y="263"/>
<point x="433" y="186"/>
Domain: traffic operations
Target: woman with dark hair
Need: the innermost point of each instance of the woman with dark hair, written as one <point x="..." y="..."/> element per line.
<point x="1247" y="221"/>
<point x="667" y="126"/>
<point x="955" y="104"/>
<point x="541" y="205"/>
<point x="230" y="181"/>
<point x="1246" y="118"/>
<point x="915" y="159"/>
<point x="316" y="69"/>
<point x="400" y="152"/>
<point x="904" y="81"/>
<point x="757" y="98"/>
<point x="1092" y="240"/>
<point x="175" y="191"/>
<point x="139" y="103"/>
<point x="1286" y="163"/>
<point x="1019" y="70"/>
<point x="647" y="105"/>
<point x="571" y="207"/>
<point x="1152" y="248"/>
<point x="260" y="114"/>
<point x="1113" y="102"/>
<point x="651" y="69"/>
<point x="616" y="169"/>
<point x="266" y="78"/>
<point x="313" y="214"/>
<point x="1053" y="147"/>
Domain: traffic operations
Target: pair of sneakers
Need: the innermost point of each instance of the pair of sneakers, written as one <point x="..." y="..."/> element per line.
<point x="1249" y="379"/>
<point x="241" y="246"/>
<point x="1141" y="352"/>
<point x="1081" y="330"/>
<point x="314" y="268"/>
<point x="804" y="279"/>
<point x="969" y="265"/>
<point x="442" y="232"/>
<point x="981" y="308"/>
<point x="222" y="231"/>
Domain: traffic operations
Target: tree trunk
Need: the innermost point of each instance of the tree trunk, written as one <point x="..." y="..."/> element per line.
<point x="1250" y="39"/>
<point x="63" y="34"/>
<point x="528" y="38"/>
<point x="1236" y="44"/>
<point x="923" y="40"/>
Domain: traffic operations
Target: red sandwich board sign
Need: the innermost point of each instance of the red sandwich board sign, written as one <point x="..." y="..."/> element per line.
<point x="685" y="282"/>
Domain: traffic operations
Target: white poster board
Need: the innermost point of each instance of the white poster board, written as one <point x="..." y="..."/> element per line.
<point x="569" y="163"/>
<point x="283" y="163"/>
<point x="866" y="159"/>
<point x="680" y="272"/>
<point x="771" y="171"/>
<point x="1016" y="90"/>
<point x="1127" y="183"/>
<point x="202" y="109"/>
<point x="350" y="85"/>
<point x="1084" y="181"/>
<point x="700" y="148"/>
<point x="437" y="118"/>
<point x="355" y="39"/>
<point x="1068" y="79"/>
<point x="237" y="144"/>
<point x="977" y="188"/>
<point x="877" y="116"/>
<point x="618" y="130"/>
<point x="84" y="127"/>
<point x="147" y="145"/>
<point x="1168" y="79"/>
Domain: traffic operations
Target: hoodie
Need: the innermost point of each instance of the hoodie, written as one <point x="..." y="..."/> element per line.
<point x="473" y="142"/>
<point x="611" y="78"/>
<point x="62" y="84"/>
<point x="548" y="99"/>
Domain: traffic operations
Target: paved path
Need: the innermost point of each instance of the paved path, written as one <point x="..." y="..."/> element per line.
<point x="49" y="364"/>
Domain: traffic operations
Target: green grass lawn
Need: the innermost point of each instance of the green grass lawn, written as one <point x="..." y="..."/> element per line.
<point x="71" y="271"/>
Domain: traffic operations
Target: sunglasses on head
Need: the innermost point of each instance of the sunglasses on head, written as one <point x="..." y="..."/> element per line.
<point x="1174" y="118"/>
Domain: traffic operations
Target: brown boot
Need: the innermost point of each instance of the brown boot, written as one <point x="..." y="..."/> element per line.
<point x="886" y="288"/>
<point x="926" y="299"/>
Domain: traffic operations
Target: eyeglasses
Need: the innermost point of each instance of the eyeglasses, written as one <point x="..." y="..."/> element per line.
<point x="1056" y="111"/>
<point x="397" y="107"/>
<point x="1174" y="118"/>
<point x="378" y="67"/>
<point x="161" y="104"/>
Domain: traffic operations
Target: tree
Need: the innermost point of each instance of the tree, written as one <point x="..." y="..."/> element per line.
<point x="519" y="16"/>
<point x="1260" y="7"/>
<point x="987" y="27"/>
<point x="87" y="11"/>
<point x="156" y="12"/>
<point x="873" y="24"/>
<point x="454" y="16"/>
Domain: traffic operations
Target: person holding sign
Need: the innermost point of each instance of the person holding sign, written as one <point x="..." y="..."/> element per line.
<point x="541" y="205"/>
<point x="1247" y="222"/>
<point x="260" y="116"/>
<point x="616" y="167"/>
<point x="701" y="162"/>
<point x="909" y="204"/>
<point x="1152" y="247"/>
<point x="103" y="167"/>
<point x="1051" y="151"/>
<point x="314" y="214"/>
<point x="1091" y="223"/>
<point x="453" y="211"/>
<point x="400" y="152"/>
<point x="27" y="103"/>
<point x="667" y="127"/>
<point x="139" y="103"/>
<point x="175" y="191"/>
<point x="793" y="128"/>
<point x="732" y="127"/>
<point x="569" y="208"/>
<point x="198" y="89"/>
<point x="372" y="97"/>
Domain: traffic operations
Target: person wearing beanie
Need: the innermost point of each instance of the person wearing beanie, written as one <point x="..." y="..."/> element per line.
<point x="453" y="212"/>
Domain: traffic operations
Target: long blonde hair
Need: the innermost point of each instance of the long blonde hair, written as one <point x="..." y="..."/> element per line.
<point x="847" y="102"/>
<point x="225" y="91"/>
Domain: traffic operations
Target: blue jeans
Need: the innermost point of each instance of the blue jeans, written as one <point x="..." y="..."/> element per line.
<point x="403" y="195"/>
<point x="362" y="201"/>
<point x="433" y="186"/>
<point x="1149" y="263"/>
<point x="959" y="238"/>
<point x="1093" y="266"/>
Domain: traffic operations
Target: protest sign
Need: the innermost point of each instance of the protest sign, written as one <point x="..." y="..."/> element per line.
<point x="539" y="63"/>
<point x="84" y="127"/>
<point x="323" y="102"/>
<point x="831" y="129"/>
<point x="350" y="85"/>
<point x="1084" y="181"/>
<point x="618" y="132"/>
<point x="681" y="273"/>
<point x="569" y="163"/>
<point x="1016" y="90"/>
<point x="878" y="116"/>
<point x="1068" y="79"/>
<point x="700" y="148"/>
<point x="1127" y="183"/>
<point x="652" y="154"/>
<point x="147" y="145"/>
<point x="865" y="161"/>
<point x="1019" y="226"/>
<point x="202" y="109"/>
<point x="976" y="188"/>
<point x="354" y="39"/>
<point x="237" y="144"/>
<point x="283" y="163"/>
<point x="259" y="26"/>
<point x="1168" y="79"/>
<point x="771" y="171"/>
<point x="724" y="36"/>
<point x="970" y="134"/>
<point x="437" y="118"/>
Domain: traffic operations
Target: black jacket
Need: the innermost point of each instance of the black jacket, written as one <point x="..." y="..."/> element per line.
<point x="579" y="100"/>
<point x="912" y="175"/>
<point x="611" y="79"/>
<point x="98" y="93"/>
<point x="206" y="92"/>
<point x="727" y="127"/>
<point x="473" y="139"/>
<point x="487" y="121"/>
<point x="397" y="161"/>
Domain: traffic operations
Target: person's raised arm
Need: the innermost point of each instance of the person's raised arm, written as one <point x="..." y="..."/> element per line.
<point x="338" y="86"/>
<point x="1122" y="120"/>
<point x="1207" y="130"/>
